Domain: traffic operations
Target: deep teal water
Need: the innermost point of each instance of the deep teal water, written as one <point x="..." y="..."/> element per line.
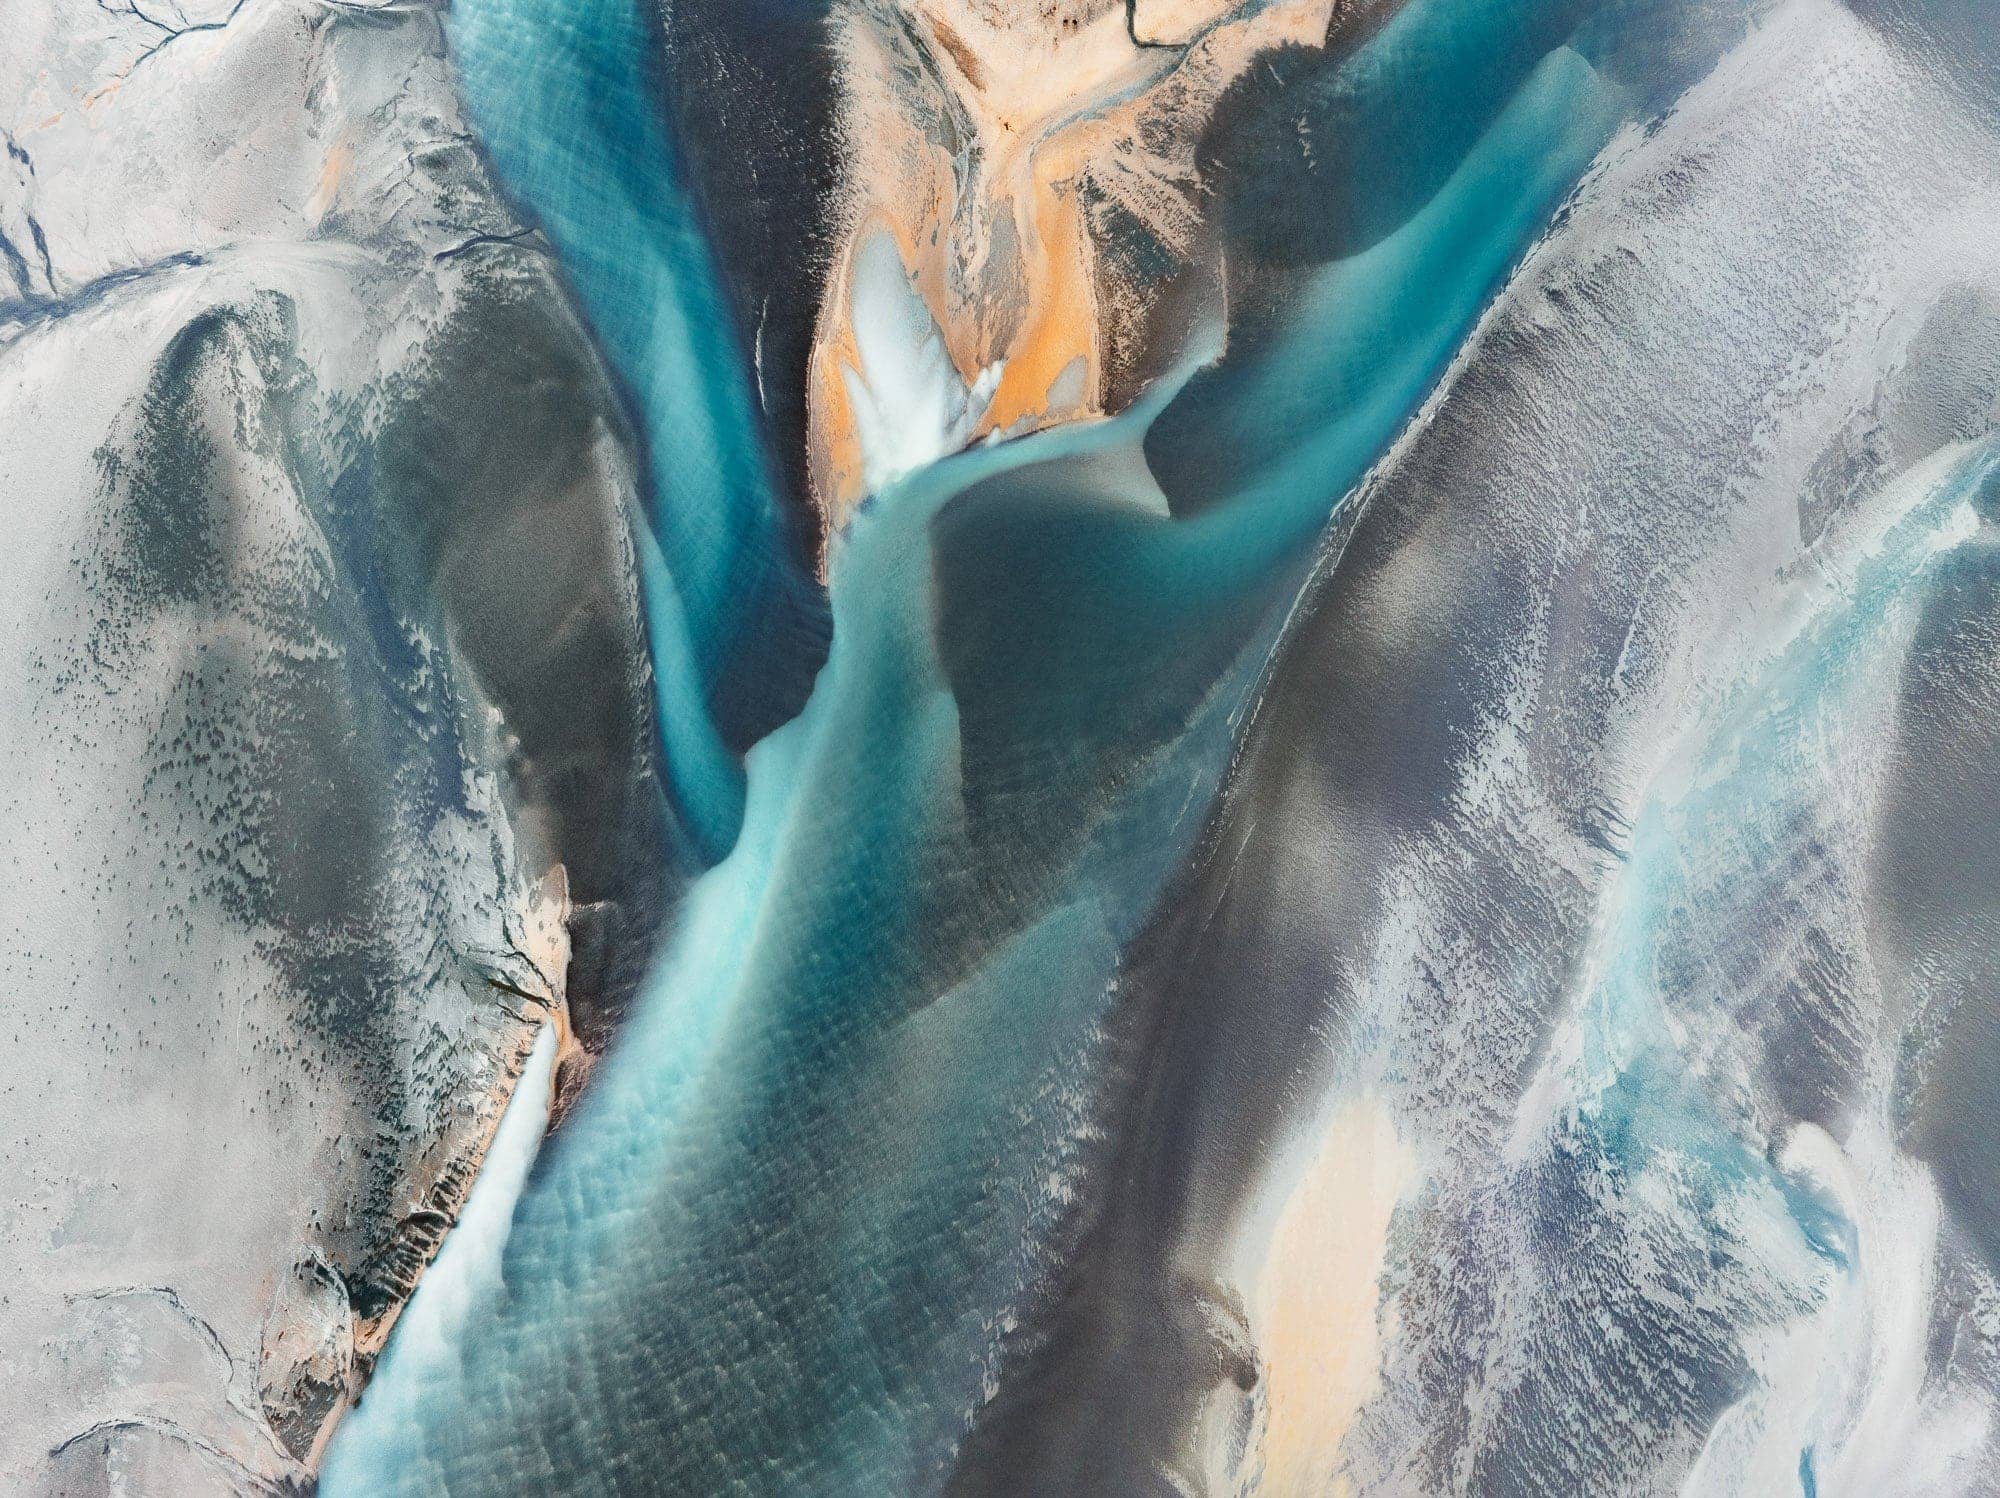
<point x="559" y="93"/>
<point x="769" y="1251"/>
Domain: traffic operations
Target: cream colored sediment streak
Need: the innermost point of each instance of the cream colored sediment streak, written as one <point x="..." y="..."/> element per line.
<point x="1315" y="1299"/>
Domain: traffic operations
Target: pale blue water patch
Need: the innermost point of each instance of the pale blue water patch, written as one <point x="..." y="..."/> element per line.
<point x="1661" y="1206"/>
<point x="1762" y="765"/>
<point x="1752" y="799"/>
<point x="773" y="1248"/>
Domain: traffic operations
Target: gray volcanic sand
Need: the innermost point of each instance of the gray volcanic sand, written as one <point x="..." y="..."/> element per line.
<point x="324" y="649"/>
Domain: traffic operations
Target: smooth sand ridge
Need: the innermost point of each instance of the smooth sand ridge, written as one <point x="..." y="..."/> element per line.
<point x="1309" y="1260"/>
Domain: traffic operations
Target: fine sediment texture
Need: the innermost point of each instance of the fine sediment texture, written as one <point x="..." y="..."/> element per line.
<point x="327" y="760"/>
<point x="1296" y="948"/>
<point x="1202" y="748"/>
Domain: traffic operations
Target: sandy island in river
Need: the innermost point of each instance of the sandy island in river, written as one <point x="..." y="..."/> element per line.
<point x="992" y="142"/>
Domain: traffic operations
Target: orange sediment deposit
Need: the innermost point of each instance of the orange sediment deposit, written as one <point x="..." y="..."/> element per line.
<point x="991" y="141"/>
<point x="333" y="175"/>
